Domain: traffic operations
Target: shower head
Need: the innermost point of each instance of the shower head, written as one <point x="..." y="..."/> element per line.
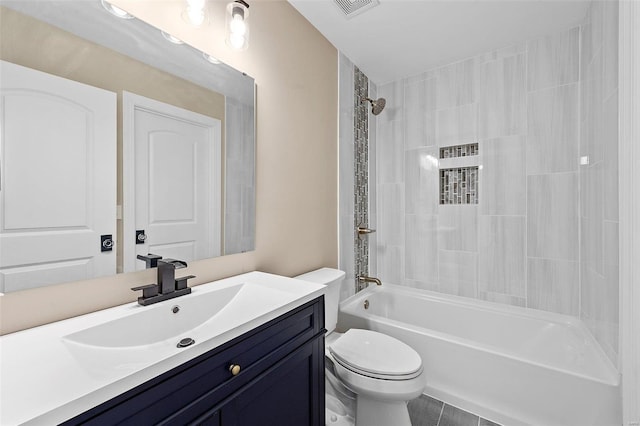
<point x="376" y="106"/>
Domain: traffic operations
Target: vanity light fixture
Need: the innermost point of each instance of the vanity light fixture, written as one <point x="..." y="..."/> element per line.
<point x="237" y="25"/>
<point x="171" y="38"/>
<point x="195" y="13"/>
<point x="116" y="11"/>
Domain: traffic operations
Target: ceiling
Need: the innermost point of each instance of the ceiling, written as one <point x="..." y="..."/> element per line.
<point x="400" y="38"/>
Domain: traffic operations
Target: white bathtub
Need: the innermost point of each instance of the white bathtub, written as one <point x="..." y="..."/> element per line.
<point x="512" y="365"/>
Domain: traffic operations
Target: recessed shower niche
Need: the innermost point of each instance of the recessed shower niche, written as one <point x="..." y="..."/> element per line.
<point x="459" y="174"/>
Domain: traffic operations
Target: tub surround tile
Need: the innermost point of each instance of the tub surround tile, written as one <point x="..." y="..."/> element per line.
<point x="458" y="272"/>
<point x="553" y="60"/>
<point x="390" y="149"/>
<point x="421" y="181"/>
<point x="592" y="222"/>
<point x="456" y="84"/>
<point x="610" y="47"/>
<point x="600" y="307"/>
<point x="394" y="95"/>
<point x="421" y="247"/>
<point x="610" y="165"/>
<point x="502" y="97"/>
<point x="457" y="125"/>
<point x="458" y="227"/>
<point x="503" y="176"/>
<point x="391" y="214"/>
<point x="501" y="255"/>
<point x="553" y="137"/>
<point x="552" y="213"/>
<point x="592" y="112"/>
<point x="422" y="284"/>
<point x="553" y="285"/>
<point x="591" y="36"/>
<point x="390" y="264"/>
<point x="419" y="120"/>
<point x="505" y="299"/>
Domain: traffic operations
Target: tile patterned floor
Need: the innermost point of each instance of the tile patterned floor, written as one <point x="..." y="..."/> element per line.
<point x="427" y="411"/>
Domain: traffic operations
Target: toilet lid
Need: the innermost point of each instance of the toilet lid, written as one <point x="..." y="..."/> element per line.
<point x="377" y="355"/>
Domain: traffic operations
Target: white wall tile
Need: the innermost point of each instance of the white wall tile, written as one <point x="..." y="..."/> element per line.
<point x="610" y="147"/>
<point x="553" y="60"/>
<point x="553" y="138"/>
<point x="456" y="84"/>
<point x="503" y="176"/>
<point x="502" y="97"/>
<point x="591" y="35"/>
<point x="421" y="248"/>
<point x="591" y="236"/>
<point x="458" y="227"/>
<point x="503" y="298"/>
<point x="391" y="264"/>
<point x="502" y="255"/>
<point x="553" y="285"/>
<point x="610" y="48"/>
<point x="457" y="125"/>
<point x="419" y="117"/>
<point x="421" y="181"/>
<point x="552" y="216"/>
<point x="390" y="215"/>
<point x="458" y="272"/>
<point x="390" y="152"/>
<point x="394" y="95"/>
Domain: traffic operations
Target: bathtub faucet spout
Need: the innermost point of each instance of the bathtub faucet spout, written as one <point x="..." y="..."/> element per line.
<point x="365" y="279"/>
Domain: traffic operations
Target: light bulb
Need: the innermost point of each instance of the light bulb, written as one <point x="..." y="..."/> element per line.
<point x="195" y="16"/>
<point x="237" y="25"/>
<point x="236" y="40"/>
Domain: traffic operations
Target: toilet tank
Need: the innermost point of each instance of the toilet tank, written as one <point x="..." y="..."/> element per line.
<point x="332" y="278"/>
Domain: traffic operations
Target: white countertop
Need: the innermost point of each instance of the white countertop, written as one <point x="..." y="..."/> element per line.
<point x="46" y="379"/>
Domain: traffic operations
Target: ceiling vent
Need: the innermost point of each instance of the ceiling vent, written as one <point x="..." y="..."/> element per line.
<point x="351" y="8"/>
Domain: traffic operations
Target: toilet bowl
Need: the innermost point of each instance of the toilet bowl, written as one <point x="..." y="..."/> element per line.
<point x="382" y="372"/>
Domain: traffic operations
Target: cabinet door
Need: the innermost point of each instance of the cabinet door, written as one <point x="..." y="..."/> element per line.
<point x="291" y="393"/>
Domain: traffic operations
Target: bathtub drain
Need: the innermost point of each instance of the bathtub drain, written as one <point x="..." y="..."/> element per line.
<point x="366" y="304"/>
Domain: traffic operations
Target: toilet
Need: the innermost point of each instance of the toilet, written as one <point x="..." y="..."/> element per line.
<point x="382" y="372"/>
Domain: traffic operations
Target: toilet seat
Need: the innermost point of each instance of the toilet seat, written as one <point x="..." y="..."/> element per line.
<point x="376" y="355"/>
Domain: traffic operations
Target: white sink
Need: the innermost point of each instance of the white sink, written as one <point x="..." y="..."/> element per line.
<point x="101" y="355"/>
<point x="156" y="323"/>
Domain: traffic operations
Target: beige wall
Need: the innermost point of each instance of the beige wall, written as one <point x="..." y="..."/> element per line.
<point x="295" y="69"/>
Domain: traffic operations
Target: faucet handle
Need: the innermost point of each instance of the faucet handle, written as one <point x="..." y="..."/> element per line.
<point x="148" y="290"/>
<point x="181" y="283"/>
<point x="151" y="260"/>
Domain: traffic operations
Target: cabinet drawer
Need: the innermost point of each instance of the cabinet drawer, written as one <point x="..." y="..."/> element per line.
<point x="254" y="351"/>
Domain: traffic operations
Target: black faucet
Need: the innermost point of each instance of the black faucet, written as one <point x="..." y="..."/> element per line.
<point x="168" y="286"/>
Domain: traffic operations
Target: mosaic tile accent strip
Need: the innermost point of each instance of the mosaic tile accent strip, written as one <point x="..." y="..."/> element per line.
<point x="459" y="186"/>
<point x="459" y="151"/>
<point x="361" y="181"/>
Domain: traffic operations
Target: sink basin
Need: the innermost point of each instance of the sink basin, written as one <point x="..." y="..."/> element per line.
<point x="151" y="324"/>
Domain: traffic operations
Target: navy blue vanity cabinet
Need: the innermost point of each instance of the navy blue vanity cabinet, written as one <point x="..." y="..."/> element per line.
<point x="280" y="382"/>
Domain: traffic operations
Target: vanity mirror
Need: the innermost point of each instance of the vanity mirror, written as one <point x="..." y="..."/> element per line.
<point x="116" y="142"/>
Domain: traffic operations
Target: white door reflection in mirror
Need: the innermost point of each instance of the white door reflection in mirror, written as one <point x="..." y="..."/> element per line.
<point x="57" y="179"/>
<point x="172" y="175"/>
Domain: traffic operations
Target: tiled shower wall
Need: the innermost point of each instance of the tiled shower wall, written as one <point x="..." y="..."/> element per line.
<point x="357" y="151"/>
<point x="543" y="233"/>
<point x="599" y="179"/>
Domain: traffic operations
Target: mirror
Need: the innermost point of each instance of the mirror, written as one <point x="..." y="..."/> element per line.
<point x="79" y="40"/>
